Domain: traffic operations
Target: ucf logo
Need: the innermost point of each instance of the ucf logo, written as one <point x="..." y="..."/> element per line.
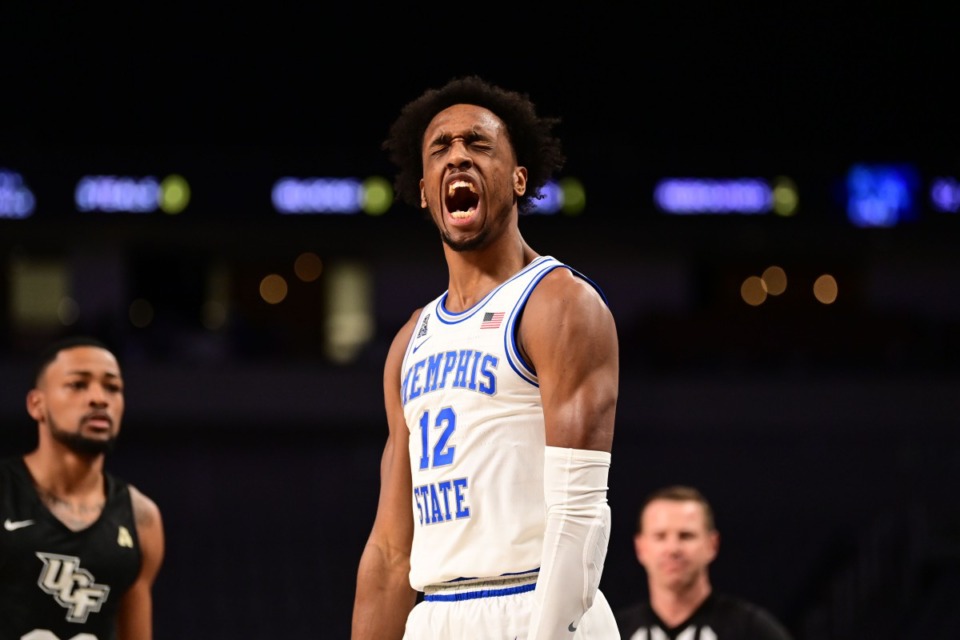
<point x="72" y="587"/>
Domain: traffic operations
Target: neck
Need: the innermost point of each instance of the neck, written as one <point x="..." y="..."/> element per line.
<point x="674" y="606"/>
<point x="473" y="274"/>
<point x="70" y="486"/>
<point x="64" y="472"/>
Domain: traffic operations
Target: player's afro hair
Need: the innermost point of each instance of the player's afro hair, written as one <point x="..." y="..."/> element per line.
<point x="531" y="135"/>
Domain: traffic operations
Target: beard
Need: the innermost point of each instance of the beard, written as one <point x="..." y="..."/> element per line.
<point x="476" y="242"/>
<point x="79" y="443"/>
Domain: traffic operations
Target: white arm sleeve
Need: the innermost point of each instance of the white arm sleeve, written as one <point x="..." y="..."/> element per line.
<point x="575" y="541"/>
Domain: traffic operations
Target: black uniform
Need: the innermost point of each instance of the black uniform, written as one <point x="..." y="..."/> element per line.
<point x="56" y="582"/>
<point x="720" y="617"/>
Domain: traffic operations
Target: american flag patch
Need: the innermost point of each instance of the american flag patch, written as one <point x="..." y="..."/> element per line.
<point x="492" y="320"/>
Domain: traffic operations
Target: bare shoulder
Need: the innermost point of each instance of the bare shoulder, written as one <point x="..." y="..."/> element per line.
<point x="566" y="309"/>
<point x="565" y="296"/>
<point x="398" y="347"/>
<point x="402" y="337"/>
<point x="146" y="513"/>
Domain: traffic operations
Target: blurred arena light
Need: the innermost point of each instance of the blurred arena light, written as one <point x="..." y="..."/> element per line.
<point x="326" y="195"/>
<point x="697" y="196"/>
<point x="132" y="194"/>
<point x="174" y="194"/>
<point x="349" y="322"/>
<point x="881" y="195"/>
<point x="308" y="266"/>
<point x="826" y="289"/>
<point x="16" y="198"/>
<point x="37" y="289"/>
<point x="377" y="196"/>
<point x="273" y="288"/>
<point x="785" y="196"/>
<point x="752" y="291"/>
<point x="944" y="195"/>
<point x="774" y="280"/>
<point x="566" y="196"/>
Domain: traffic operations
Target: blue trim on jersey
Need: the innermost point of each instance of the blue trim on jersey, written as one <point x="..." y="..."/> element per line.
<point x="483" y="593"/>
<point x="449" y="317"/>
<point x="514" y="358"/>
<point x="516" y="361"/>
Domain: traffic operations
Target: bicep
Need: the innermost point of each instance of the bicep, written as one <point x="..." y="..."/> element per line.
<point x="383" y="595"/>
<point x="569" y="334"/>
<point x="135" y="620"/>
<point x="393" y="525"/>
<point x="150" y="532"/>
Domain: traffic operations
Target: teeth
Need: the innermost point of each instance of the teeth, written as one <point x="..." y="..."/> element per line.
<point x="459" y="184"/>
<point x="459" y="214"/>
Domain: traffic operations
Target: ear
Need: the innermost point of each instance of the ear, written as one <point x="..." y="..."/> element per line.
<point x="423" y="196"/>
<point x="714" y="543"/>
<point x="638" y="547"/>
<point x="35" y="404"/>
<point x="520" y="181"/>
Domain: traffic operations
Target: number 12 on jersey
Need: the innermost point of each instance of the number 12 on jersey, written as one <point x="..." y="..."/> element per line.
<point x="444" y="500"/>
<point x="442" y="454"/>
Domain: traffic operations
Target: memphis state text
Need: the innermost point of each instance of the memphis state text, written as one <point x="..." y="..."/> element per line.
<point x="464" y="369"/>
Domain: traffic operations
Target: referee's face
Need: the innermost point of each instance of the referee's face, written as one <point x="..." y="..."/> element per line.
<point x="674" y="544"/>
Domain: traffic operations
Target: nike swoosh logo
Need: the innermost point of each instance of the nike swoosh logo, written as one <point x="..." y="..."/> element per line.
<point x="422" y="342"/>
<point x="13" y="525"/>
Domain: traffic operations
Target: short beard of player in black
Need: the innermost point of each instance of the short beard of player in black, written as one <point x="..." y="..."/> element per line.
<point x="80" y="444"/>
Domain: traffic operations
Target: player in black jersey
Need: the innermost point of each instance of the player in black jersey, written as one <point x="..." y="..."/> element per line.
<point x="79" y="549"/>
<point x="676" y="541"/>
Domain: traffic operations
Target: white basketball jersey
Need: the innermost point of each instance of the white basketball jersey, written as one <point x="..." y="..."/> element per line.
<point x="476" y="438"/>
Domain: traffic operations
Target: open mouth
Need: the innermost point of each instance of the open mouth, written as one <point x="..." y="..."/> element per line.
<point x="462" y="199"/>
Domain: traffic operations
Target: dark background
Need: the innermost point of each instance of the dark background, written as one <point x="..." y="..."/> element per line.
<point x="826" y="437"/>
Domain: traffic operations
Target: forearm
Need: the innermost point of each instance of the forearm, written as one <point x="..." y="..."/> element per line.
<point x="383" y="598"/>
<point x="135" y="619"/>
<point x="575" y="540"/>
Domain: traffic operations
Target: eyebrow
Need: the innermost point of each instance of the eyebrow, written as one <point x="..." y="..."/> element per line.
<point x="475" y="133"/>
<point x="90" y="374"/>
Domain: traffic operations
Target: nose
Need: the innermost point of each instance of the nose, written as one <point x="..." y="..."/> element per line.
<point x="98" y="395"/>
<point x="459" y="156"/>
